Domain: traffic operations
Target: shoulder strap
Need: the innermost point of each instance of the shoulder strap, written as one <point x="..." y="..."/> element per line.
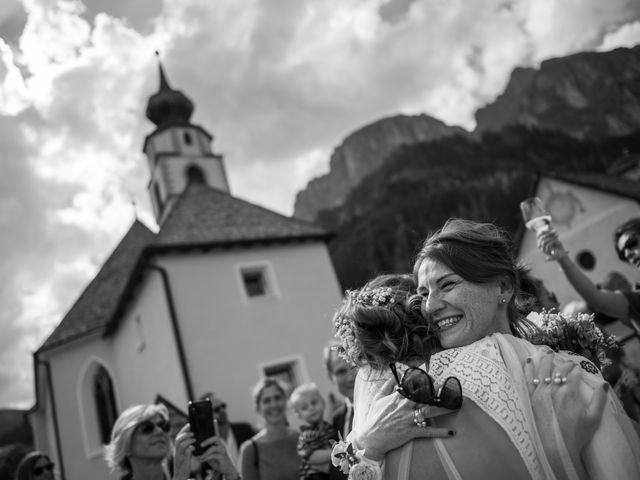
<point x="256" y="455"/>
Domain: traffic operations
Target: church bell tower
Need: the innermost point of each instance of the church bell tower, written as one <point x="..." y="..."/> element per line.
<point x="178" y="151"/>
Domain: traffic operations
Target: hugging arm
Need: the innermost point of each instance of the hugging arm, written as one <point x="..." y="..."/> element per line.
<point x="389" y="423"/>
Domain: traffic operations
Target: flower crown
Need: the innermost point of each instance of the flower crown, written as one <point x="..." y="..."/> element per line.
<point x="349" y="347"/>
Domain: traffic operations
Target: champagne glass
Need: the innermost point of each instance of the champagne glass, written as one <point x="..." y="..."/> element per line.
<point x="536" y="216"/>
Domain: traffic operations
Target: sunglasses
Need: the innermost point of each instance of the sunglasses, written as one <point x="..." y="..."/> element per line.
<point x="37" y="471"/>
<point x="147" y="427"/>
<point x="417" y="386"/>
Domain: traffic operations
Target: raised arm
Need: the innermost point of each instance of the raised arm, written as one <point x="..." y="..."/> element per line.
<point x="610" y="303"/>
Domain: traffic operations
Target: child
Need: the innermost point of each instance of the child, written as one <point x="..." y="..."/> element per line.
<point x="314" y="443"/>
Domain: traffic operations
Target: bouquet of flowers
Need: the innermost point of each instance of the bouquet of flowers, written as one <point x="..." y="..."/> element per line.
<point x="353" y="463"/>
<point x="577" y="333"/>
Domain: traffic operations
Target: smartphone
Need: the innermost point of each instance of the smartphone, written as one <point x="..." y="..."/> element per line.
<point x="201" y="422"/>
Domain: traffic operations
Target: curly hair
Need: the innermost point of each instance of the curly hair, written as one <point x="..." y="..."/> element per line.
<point x="379" y="332"/>
<point x="481" y="253"/>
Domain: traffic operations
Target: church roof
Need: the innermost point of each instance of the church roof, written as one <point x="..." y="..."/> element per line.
<point x="621" y="186"/>
<point x="202" y="217"/>
<point x="100" y="299"/>
<point x="168" y="106"/>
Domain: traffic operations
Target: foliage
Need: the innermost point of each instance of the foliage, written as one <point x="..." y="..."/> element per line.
<point x="382" y="222"/>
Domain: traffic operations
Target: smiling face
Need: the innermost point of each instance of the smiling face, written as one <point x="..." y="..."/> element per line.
<point x="461" y="311"/>
<point x="629" y="247"/>
<point x="150" y="444"/>
<point x="273" y="405"/>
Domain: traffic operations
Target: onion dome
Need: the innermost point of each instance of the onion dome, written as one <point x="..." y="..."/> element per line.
<point x="168" y="106"/>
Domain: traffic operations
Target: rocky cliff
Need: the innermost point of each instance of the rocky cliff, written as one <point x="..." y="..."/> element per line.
<point x="586" y="95"/>
<point x="589" y="96"/>
<point x="361" y="153"/>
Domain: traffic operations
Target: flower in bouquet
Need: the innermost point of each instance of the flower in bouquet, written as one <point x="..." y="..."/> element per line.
<point x="352" y="462"/>
<point x="577" y="333"/>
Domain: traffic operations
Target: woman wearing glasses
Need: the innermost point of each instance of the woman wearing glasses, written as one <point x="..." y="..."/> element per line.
<point x="140" y="447"/>
<point x="35" y="466"/>
<point x="528" y="412"/>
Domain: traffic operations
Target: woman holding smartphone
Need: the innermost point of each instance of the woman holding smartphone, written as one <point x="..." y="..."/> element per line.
<point x="140" y="447"/>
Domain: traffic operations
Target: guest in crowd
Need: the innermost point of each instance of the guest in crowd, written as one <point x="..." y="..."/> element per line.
<point x="624" y="377"/>
<point x="470" y="288"/>
<point x="613" y="281"/>
<point x="617" y="304"/>
<point x="140" y="447"/>
<point x="343" y="376"/>
<point x="35" y="466"/>
<point x="316" y="435"/>
<point x="234" y="434"/>
<point x="271" y="453"/>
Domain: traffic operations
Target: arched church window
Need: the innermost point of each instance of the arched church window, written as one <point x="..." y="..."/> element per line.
<point x="187" y="138"/>
<point x="195" y="175"/>
<point x="105" y="403"/>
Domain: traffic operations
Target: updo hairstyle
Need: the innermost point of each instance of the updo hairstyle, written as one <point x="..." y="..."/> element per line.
<point x="264" y="383"/>
<point x="379" y="332"/>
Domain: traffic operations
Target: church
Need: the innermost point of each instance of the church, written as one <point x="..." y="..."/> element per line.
<point x="224" y="293"/>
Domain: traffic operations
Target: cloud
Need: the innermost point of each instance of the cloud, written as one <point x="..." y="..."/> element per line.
<point x="278" y="84"/>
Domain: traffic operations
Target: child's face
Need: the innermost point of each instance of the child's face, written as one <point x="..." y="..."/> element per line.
<point x="310" y="407"/>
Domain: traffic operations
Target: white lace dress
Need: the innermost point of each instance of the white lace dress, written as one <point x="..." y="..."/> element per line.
<point x="497" y="435"/>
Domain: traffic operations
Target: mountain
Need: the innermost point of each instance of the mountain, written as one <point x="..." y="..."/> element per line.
<point x="379" y="226"/>
<point x="586" y="95"/>
<point x="591" y="95"/>
<point x="361" y="153"/>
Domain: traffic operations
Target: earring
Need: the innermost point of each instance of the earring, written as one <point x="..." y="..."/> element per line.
<point x="503" y="300"/>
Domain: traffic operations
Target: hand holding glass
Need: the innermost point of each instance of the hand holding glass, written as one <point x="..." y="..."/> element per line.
<point x="536" y="217"/>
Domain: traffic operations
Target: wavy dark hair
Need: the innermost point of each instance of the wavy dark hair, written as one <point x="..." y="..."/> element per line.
<point x="393" y="332"/>
<point x="482" y="253"/>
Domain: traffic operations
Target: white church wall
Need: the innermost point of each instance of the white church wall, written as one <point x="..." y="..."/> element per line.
<point x="230" y="338"/>
<point x="81" y="457"/>
<point x="146" y="361"/>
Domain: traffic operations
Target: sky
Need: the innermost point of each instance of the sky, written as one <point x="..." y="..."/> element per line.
<point x="279" y="84"/>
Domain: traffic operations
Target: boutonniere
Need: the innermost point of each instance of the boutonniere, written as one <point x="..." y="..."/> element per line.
<point x="352" y="462"/>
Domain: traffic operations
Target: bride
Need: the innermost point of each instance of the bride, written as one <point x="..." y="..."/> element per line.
<point x="528" y="412"/>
